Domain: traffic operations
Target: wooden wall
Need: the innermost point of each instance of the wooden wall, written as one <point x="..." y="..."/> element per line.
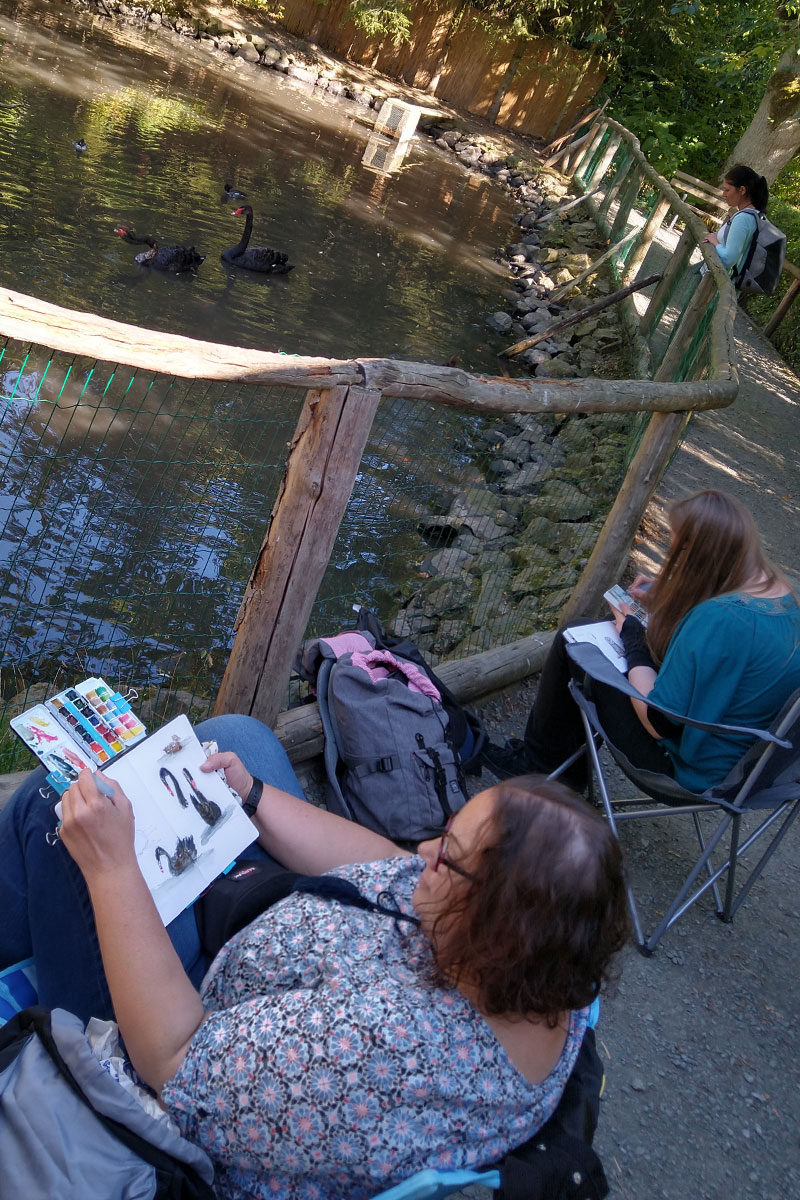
<point x="551" y="84"/>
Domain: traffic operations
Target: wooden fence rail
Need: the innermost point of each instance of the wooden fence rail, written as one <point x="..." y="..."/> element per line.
<point x="696" y="372"/>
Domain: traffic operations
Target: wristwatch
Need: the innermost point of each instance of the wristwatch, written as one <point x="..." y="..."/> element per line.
<point x="250" y="803"/>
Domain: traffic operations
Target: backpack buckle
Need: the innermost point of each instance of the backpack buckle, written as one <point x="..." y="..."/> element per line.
<point x="385" y="764"/>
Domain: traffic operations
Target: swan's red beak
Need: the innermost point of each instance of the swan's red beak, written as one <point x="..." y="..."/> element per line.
<point x="120" y="232"/>
<point x="237" y="212"/>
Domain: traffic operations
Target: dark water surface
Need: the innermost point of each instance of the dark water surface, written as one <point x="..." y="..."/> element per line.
<point x="384" y="265"/>
<point x="131" y="508"/>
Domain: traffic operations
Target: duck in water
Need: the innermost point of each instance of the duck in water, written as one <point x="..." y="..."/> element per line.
<point x="162" y="258"/>
<point x="80" y="146"/>
<point x="255" y="258"/>
<point x="232" y="193"/>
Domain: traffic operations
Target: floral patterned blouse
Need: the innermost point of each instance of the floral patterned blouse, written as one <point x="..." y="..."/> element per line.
<point x="327" y="1065"/>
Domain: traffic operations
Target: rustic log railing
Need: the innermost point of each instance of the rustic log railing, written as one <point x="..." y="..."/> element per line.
<point x="696" y="371"/>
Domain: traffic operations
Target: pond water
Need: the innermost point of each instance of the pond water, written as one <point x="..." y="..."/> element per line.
<point x="397" y="265"/>
<point x="385" y="265"/>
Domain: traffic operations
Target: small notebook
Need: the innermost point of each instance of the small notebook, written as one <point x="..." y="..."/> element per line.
<point x="189" y="824"/>
<point x="602" y="634"/>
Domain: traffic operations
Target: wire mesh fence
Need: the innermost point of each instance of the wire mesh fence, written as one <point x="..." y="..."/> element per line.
<point x="132" y="508"/>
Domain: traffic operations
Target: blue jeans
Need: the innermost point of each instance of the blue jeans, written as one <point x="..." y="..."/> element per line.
<point x="45" y="910"/>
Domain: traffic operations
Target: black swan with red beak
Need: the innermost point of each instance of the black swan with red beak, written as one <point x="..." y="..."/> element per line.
<point x="162" y="258"/>
<point x="255" y="258"/>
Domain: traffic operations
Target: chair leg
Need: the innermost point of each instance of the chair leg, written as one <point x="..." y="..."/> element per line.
<point x="709" y="865"/>
<point x="597" y="772"/>
<point x="733" y="856"/>
<point x="768" y="853"/>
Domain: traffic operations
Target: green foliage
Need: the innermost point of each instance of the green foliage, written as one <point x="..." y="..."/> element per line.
<point x="389" y="18"/>
<point x="690" y="80"/>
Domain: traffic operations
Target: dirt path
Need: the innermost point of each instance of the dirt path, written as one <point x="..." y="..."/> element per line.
<point x="701" y="1041"/>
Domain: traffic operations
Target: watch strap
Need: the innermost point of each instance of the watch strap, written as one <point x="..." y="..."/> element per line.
<point x="250" y="803"/>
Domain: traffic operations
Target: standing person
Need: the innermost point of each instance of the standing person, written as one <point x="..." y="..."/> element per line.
<point x="722" y="645"/>
<point x="334" y="1050"/>
<point x="748" y="194"/>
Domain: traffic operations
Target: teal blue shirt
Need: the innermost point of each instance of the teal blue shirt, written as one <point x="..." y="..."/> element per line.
<point x="736" y="660"/>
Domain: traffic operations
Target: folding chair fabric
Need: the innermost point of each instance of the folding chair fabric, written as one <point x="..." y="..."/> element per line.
<point x="766" y="780"/>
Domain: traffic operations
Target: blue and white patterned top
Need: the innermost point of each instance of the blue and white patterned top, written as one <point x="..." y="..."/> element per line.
<point x="327" y="1066"/>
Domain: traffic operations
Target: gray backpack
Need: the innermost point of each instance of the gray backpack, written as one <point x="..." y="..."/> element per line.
<point x="762" y="268"/>
<point x="388" y="757"/>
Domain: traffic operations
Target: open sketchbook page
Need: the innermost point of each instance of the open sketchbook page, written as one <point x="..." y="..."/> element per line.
<point x="602" y="634"/>
<point x="189" y="825"/>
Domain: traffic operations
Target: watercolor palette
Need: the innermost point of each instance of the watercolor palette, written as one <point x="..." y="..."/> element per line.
<point x="85" y="726"/>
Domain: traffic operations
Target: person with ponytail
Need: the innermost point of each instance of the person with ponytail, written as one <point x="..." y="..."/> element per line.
<point x="722" y="644"/>
<point x="747" y="193"/>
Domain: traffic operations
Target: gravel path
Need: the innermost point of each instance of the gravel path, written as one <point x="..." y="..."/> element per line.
<point x="700" y="1042"/>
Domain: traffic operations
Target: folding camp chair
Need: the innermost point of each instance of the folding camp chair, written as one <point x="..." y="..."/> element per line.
<point x="765" y="783"/>
<point x="557" y="1163"/>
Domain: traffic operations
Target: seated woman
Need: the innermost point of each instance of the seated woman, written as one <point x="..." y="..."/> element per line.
<point x="748" y="194"/>
<point x="722" y="645"/>
<point x="332" y="1051"/>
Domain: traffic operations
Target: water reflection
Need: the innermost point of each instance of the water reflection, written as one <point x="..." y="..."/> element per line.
<point x="132" y="507"/>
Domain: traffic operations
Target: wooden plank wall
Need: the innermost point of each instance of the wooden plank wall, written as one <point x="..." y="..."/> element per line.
<point x="552" y="84"/>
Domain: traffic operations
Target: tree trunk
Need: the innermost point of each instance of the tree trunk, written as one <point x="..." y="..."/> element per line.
<point x="505" y="83"/>
<point x="772" y="139"/>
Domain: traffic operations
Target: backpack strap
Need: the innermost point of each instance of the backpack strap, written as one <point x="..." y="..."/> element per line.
<point x="332" y="750"/>
<point x="740" y="274"/>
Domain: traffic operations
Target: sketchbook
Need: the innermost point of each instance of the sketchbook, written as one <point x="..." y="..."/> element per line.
<point x="189" y="825"/>
<point x="602" y="634"/>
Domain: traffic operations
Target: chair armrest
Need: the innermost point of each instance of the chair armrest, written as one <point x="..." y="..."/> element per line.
<point x="594" y="663"/>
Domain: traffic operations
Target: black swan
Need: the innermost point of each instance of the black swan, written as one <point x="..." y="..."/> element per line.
<point x="232" y="193"/>
<point x="256" y="258"/>
<point x="162" y="258"/>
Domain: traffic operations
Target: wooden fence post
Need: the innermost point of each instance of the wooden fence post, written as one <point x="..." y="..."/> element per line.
<point x="585" y="160"/>
<point x="627" y="200"/>
<point x="685" y="329"/>
<point x="674" y="269"/>
<point x="611" y="148"/>
<point x="664" y="432"/>
<point x="623" y="170"/>
<point x="646" y="238"/>
<point x="786" y="303"/>
<point x="662" y="436"/>
<point x="323" y="462"/>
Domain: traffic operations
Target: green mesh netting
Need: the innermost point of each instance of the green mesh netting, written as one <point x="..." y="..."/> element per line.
<point x="133" y="507"/>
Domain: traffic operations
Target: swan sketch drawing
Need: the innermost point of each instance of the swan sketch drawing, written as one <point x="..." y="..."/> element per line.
<point x="162" y="258"/>
<point x="185" y="854"/>
<point x="209" y="810"/>
<point x="255" y="258"/>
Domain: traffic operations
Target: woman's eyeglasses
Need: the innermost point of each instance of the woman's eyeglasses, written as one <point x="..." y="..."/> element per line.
<point x="443" y="860"/>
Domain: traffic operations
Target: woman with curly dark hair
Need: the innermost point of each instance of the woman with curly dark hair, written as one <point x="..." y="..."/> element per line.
<point x="333" y="1049"/>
